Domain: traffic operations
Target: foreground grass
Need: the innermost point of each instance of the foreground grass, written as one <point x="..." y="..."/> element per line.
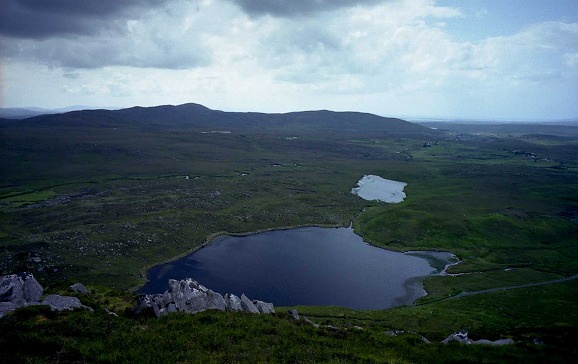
<point x="37" y="335"/>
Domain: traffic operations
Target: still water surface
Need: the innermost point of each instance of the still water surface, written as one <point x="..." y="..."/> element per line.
<point x="305" y="266"/>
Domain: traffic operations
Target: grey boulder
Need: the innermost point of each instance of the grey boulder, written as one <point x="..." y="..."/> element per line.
<point x="294" y="315"/>
<point x="20" y="289"/>
<point x="462" y="337"/>
<point x="79" y="288"/>
<point x="248" y="305"/>
<point x="264" y="307"/>
<point x="459" y="336"/>
<point x="61" y="303"/>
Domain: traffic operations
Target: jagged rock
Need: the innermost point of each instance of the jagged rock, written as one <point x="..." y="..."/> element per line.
<point x="20" y="289"/>
<point x="233" y="302"/>
<point x="359" y="328"/>
<point x="423" y="339"/>
<point x="191" y="297"/>
<point x="264" y="307"/>
<point x="61" y="303"/>
<point x="460" y="336"/>
<point x="79" y="288"/>
<point x="294" y="315"/>
<point x="248" y="305"/>
<point x="215" y="301"/>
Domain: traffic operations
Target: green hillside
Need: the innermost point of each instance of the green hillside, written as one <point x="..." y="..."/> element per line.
<point x="98" y="196"/>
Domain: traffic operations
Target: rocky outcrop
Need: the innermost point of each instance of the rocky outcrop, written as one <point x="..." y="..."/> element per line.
<point x="20" y="290"/>
<point x="191" y="297"/>
<point x="462" y="337"/>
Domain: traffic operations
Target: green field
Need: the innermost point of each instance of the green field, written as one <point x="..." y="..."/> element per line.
<point x="101" y="204"/>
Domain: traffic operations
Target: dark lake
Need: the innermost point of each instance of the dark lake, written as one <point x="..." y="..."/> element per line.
<point x="305" y="266"/>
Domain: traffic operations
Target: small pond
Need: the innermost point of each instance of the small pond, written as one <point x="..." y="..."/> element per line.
<point x="372" y="187"/>
<point x="305" y="266"/>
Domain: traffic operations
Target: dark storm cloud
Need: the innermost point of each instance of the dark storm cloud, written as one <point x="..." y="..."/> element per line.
<point x="46" y="18"/>
<point x="296" y="7"/>
<point x="89" y="34"/>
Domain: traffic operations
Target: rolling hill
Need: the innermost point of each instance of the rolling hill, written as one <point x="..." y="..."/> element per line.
<point x="195" y="116"/>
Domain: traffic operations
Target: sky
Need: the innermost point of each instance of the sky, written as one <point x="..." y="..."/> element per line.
<point x="453" y="59"/>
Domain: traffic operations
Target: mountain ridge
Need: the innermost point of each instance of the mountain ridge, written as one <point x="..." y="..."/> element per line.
<point x="193" y="115"/>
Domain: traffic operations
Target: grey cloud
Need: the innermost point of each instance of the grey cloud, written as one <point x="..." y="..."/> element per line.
<point x="88" y="34"/>
<point x="286" y="8"/>
<point x="45" y="18"/>
<point x="96" y="53"/>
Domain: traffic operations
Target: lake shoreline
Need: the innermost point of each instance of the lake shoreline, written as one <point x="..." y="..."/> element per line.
<point x="214" y="236"/>
<point x="411" y="286"/>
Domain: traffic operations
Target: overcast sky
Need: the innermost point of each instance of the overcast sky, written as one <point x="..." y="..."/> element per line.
<point x="479" y="59"/>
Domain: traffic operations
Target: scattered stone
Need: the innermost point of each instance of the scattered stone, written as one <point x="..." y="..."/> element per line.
<point x="310" y="322"/>
<point x="61" y="303"/>
<point x="294" y="315"/>
<point x="482" y="342"/>
<point x="503" y="342"/>
<point x="110" y="312"/>
<point x="401" y="332"/>
<point x="79" y="288"/>
<point x="537" y="341"/>
<point x="358" y="328"/>
<point x="462" y="337"/>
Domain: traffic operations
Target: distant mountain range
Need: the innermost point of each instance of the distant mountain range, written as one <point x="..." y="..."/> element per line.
<point x="28" y="112"/>
<point x="200" y="117"/>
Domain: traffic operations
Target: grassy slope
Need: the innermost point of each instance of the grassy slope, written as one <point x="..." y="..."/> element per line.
<point x="37" y="335"/>
<point x="101" y="205"/>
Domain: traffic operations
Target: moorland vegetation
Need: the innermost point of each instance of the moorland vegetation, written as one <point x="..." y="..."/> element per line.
<point x="99" y="196"/>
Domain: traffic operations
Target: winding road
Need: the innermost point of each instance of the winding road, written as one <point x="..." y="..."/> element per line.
<point x="465" y="294"/>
